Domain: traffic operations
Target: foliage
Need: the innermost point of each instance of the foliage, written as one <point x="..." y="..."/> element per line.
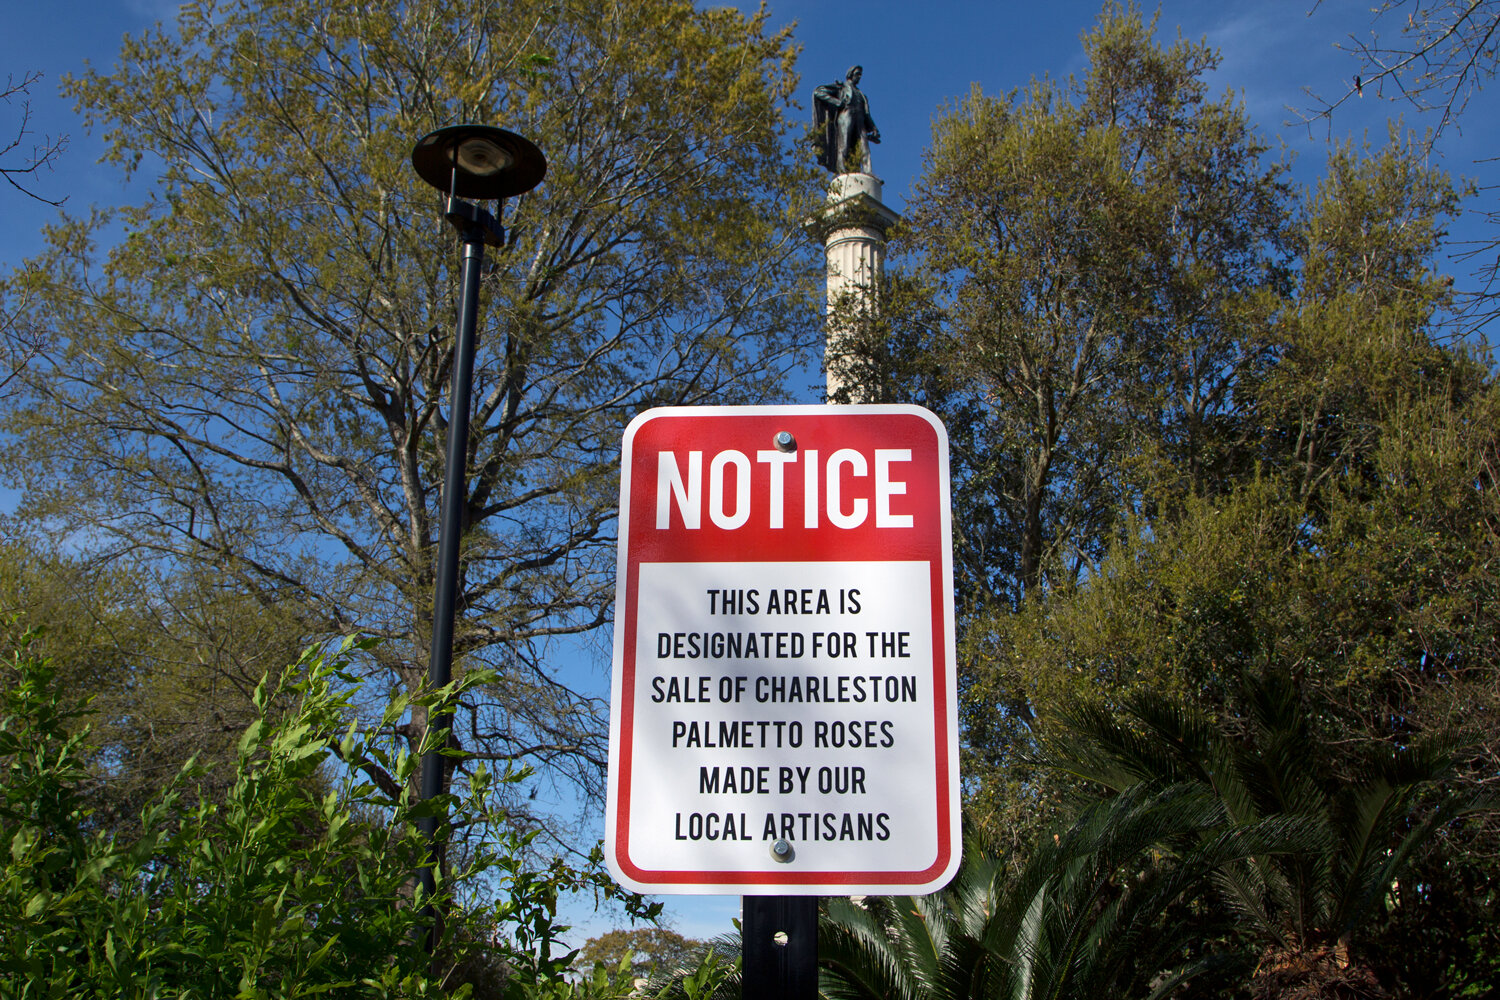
<point x="643" y="951"/>
<point x="715" y="978"/>
<point x="1381" y="606"/>
<point x="1304" y="909"/>
<point x="1445" y="926"/>
<point x="1208" y="431"/>
<point x="299" y="883"/>
<point x="249" y="383"/>
<point x="1109" y="907"/>
<point x="170" y="664"/>
<point x="1344" y="533"/>
<point x="1106" y="251"/>
<point x="1359" y="344"/>
<point x="1213" y="431"/>
<point x="1223" y="851"/>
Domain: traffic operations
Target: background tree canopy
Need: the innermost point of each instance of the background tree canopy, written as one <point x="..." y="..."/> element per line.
<point x="247" y="383"/>
<point x="1212" y="432"/>
<point x="1225" y="480"/>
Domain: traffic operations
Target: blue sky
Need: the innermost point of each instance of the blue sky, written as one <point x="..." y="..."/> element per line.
<point x="916" y="58"/>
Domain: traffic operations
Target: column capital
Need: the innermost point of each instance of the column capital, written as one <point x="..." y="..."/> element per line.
<point x="853" y="203"/>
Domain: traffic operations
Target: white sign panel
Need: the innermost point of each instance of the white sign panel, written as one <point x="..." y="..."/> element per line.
<point x="784" y="698"/>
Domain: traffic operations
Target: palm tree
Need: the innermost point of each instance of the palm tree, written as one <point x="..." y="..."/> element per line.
<point x="1207" y="837"/>
<point x="1105" y="909"/>
<point x="1350" y="834"/>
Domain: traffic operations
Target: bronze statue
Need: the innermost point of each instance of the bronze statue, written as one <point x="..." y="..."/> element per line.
<point x="841" y="119"/>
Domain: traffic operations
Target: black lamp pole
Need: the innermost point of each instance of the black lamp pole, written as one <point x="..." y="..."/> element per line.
<point x="462" y="161"/>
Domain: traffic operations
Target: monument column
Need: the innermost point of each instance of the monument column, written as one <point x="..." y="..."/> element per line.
<point x="853" y="228"/>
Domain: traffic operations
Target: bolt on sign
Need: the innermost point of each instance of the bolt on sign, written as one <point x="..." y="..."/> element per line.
<point x="784" y="702"/>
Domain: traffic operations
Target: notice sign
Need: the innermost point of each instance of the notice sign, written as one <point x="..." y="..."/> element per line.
<point x="783" y="713"/>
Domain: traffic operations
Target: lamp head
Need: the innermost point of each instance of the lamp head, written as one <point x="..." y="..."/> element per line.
<point x="478" y="161"/>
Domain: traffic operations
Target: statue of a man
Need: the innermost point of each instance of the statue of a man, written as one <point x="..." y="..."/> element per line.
<point x="841" y="117"/>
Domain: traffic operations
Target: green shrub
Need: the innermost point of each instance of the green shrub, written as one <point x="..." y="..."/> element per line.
<point x="299" y="884"/>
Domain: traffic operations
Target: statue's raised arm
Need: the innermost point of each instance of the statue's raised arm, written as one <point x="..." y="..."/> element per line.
<point x="843" y="126"/>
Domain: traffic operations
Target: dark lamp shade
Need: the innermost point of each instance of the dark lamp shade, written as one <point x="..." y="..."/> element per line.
<point x="478" y="161"/>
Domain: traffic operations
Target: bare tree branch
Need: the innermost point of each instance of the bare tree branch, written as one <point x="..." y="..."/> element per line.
<point x="1434" y="55"/>
<point x="1442" y="52"/>
<point x="41" y="155"/>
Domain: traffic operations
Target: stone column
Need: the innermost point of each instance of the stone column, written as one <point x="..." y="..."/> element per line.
<point x="853" y="228"/>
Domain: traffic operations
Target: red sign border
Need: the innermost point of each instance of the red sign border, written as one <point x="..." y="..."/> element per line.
<point x="776" y="878"/>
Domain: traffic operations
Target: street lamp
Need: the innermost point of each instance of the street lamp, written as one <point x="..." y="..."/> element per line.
<point x="483" y="162"/>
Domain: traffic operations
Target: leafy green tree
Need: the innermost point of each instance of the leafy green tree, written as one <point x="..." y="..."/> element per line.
<point x="1212" y="225"/>
<point x="643" y="951"/>
<point x="1106" y="257"/>
<point x="1106" y="250"/>
<point x="1218" y="430"/>
<point x="1305" y="909"/>
<point x="251" y="379"/>
<point x="1382" y="604"/>
<point x="1359" y="340"/>
<point x="170" y="664"/>
<point x="1379" y="603"/>
<point x="298" y="883"/>
<point x="1337" y="528"/>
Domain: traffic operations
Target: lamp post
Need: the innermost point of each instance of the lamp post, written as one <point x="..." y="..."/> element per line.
<point x="480" y="162"/>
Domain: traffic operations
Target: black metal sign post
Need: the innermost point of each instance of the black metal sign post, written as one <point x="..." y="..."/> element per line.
<point x="779" y="943"/>
<point x="722" y="777"/>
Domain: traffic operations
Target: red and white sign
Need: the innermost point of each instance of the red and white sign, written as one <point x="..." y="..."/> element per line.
<point x="784" y="706"/>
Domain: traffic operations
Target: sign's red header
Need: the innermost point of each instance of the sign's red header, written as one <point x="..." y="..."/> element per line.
<point x="768" y="482"/>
